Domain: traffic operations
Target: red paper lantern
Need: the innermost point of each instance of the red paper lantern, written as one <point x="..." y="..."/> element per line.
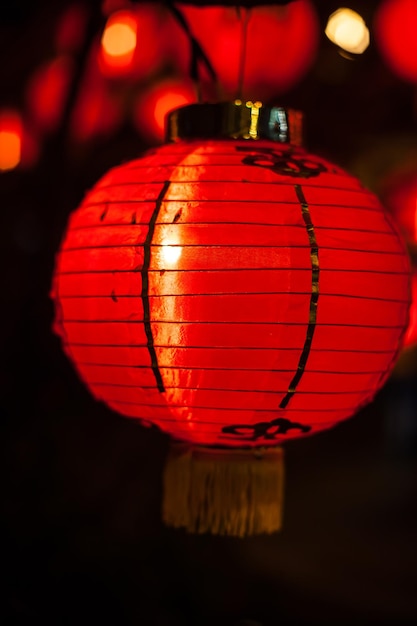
<point x="189" y="291"/>
<point x="232" y="292"/>
<point x="395" y="34"/>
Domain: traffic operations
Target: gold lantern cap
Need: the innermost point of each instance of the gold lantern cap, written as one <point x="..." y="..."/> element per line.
<point x="235" y="120"/>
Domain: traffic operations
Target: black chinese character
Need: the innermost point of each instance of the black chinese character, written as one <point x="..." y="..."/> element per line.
<point x="264" y="430"/>
<point x="282" y="162"/>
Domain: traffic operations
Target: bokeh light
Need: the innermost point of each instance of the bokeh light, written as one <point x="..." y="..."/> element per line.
<point x="347" y="29"/>
<point x="119" y="39"/>
<point x="11" y="135"/>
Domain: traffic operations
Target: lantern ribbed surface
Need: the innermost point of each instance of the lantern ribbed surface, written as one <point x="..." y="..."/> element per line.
<point x="232" y="293"/>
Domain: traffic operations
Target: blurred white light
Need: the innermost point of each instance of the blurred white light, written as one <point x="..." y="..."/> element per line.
<point x="347" y="29"/>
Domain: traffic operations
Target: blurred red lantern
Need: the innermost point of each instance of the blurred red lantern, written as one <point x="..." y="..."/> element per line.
<point x="70" y="30"/>
<point x="410" y="337"/>
<point x="153" y="105"/>
<point x="395" y="34"/>
<point x="97" y="110"/>
<point x="281" y="45"/>
<point x="46" y="92"/>
<point x="400" y="197"/>
<point x="232" y="292"/>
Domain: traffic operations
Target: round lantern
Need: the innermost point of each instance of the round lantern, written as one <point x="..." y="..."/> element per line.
<point x="236" y="291"/>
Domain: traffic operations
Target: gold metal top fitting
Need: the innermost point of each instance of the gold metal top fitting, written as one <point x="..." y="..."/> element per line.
<point x="235" y="120"/>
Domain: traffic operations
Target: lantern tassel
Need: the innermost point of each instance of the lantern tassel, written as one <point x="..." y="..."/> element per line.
<point x="224" y="492"/>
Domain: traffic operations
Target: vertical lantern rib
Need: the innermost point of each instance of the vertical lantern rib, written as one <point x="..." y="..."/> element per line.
<point x="145" y="287"/>
<point x="315" y="269"/>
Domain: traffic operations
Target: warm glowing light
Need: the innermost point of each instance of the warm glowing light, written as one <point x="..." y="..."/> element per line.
<point x="10" y="147"/>
<point x="347" y="29"/>
<point x="171" y="254"/>
<point x="118" y="43"/>
<point x="10" y="140"/>
<point x="119" y="39"/>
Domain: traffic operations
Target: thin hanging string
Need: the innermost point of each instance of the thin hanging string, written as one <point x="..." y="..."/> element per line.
<point x="244" y="16"/>
<point x="197" y="53"/>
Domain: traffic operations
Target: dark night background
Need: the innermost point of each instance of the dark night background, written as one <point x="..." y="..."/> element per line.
<point x="81" y="531"/>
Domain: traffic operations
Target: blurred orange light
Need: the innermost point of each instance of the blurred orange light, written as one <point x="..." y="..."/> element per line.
<point x="10" y="140"/>
<point x="119" y="39"/>
<point x="347" y="29"/>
